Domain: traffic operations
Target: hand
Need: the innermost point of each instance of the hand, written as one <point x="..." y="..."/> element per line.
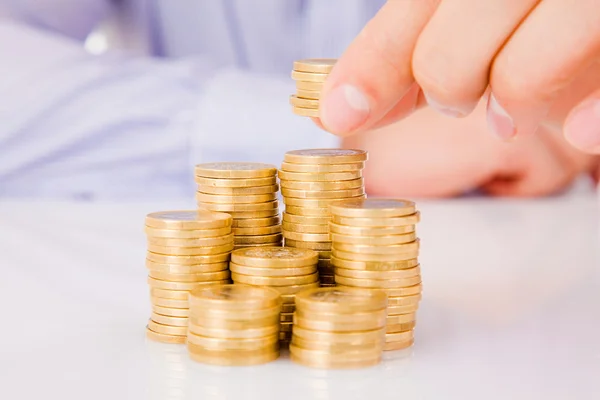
<point x="447" y="54"/>
<point x="430" y="155"/>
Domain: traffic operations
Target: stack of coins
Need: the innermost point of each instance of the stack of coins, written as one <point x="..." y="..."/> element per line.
<point x="186" y="249"/>
<point x="311" y="180"/>
<point x="339" y="327"/>
<point x="234" y="325"/>
<point x="375" y="246"/>
<point x="309" y="76"/>
<point x="284" y="269"/>
<point x="247" y="191"/>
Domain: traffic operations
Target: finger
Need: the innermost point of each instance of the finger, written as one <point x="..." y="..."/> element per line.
<point x="557" y="41"/>
<point x="375" y="71"/>
<point x="454" y="52"/>
<point x="582" y="127"/>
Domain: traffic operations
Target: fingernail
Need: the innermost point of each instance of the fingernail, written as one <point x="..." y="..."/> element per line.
<point x="449" y="111"/>
<point x="499" y="122"/>
<point x="344" y="109"/>
<point x="583" y="127"/>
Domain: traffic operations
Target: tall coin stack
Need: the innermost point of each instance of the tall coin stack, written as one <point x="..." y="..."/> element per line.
<point x="375" y="246"/>
<point x="309" y="76"/>
<point x="247" y="191"/>
<point x="339" y="327"/>
<point x="186" y="249"/>
<point x="234" y="325"/>
<point x="311" y="180"/>
<point x="284" y="269"/>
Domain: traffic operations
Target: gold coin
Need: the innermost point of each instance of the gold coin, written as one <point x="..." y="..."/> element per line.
<point x="403" y="291"/>
<point x="186" y="234"/>
<point x="345" y="255"/>
<point x="236" y="183"/>
<point x="306" y="112"/>
<point x="378" y="283"/>
<point x="307" y="85"/>
<point x="277" y="237"/>
<point x="396" y="310"/>
<point x="169" y="294"/>
<point x="167" y="329"/>
<point x="192" y="278"/>
<point x="315" y="65"/>
<point x="294" y="289"/>
<point x="346" y="338"/>
<point x="187" y="260"/>
<point x="245" y="246"/>
<point x="277" y="271"/>
<point x="235" y="170"/>
<point x="404" y="300"/>
<point x="254" y="214"/>
<point x="255" y="223"/>
<point x="327" y="285"/>
<point x="401" y="319"/>
<point x="374" y="265"/>
<point x="210" y="343"/>
<point x="308" y="94"/>
<point x="190" y="251"/>
<point x="389" y="346"/>
<point x="336" y="348"/>
<point x="374" y="208"/>
<point x="287" y="317"/>
<point x="288" y="299"/>
<point x="251" y="207"/>
<point x="220" y="359"/>
<point x="234" y="297"/>
<point x="325" y="246"/>
<point x="170" y="303"/>
<point x="275" y="280"/>
<point x="263" y="230"/>
<point x="319" y="177"/>
<point x="325" y="360"/>
<point x="306" y="237"/>
<point x="238" y="191"/>
<point x="341" y="300"/>
<point x="171" y="312"/>
<point x="325" y="156"/>
<point x="161" y="337"/>
<point x="185" y="269"/>
<point x="324" y="254"/>
<point x="301" y="228"/>
<point x="187" y="220"/>
<point x="302" y="220"/>
<point x="315" y="203"/>
<point x="308" y="76"/>
<point x="324" y="263"/>
<point x="288" y="307"/>
<point x="373" y="249"/>
<point x="381" y="275"/>
<point x="303" y="103"/>
<point x="208" y="320"/>
<point x="277" y="257"/>
<point x="406" y="326"/>
<point x="308" y="212"/>
<point x="171" y="321"/>
<point x="235" y="199"/>
<point x="400" y="336"/>
<point x="200" y="242"/>
<point x="322" y="194"/>
<point x="379" y="224"/>
<point x="374" y="240"/>
<point x="333" y="322"/>
<point x="316" y="186"/>
<point x="160" y="284"/>
<point x="370" y="231"/>
<point x="327" y="279"/>
<point x="286" y="327"/>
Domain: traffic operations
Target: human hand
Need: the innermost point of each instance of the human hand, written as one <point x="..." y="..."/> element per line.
<point x="447" y="54"/>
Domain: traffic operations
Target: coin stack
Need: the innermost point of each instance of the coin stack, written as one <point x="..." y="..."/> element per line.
<point x="234" y="325"/>
<point x="287" y="270"/>
<point x="309" y="76"/>
<point x="375" y="246"/>
<point x="186" y="249"/>
<point x="339" y="327"/>
<point x="247" y="191"/>
<point x="311" y="180"/>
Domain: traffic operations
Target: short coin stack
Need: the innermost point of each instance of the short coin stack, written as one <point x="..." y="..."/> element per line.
<point x="375" y="246"/>
<point x="339" y="327"/>
<point x="234" y="325"/>
<point x="309" y="76"/>
<point x="312" y="180"/>
<point x="247" y="191"/>
<point x="186" y="249"/>
<point x="284" y="269"/>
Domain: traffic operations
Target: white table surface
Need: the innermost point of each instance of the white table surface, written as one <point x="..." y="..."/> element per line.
<point x="511" y="310"/>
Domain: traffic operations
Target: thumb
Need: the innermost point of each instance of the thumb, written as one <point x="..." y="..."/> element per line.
<point x="375" y="71"/>
<point x="582" y="127"/>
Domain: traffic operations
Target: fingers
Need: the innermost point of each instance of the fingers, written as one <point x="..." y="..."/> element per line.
<point x="557" y="41"/>
<point x="582" y="127"/>
<point x="375" y="71"/>
<point x="453" y="55"/>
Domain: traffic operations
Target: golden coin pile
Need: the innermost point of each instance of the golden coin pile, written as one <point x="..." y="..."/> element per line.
<point x="312" y="180"/>
<point x="309" y="76"/>
<point x="186" y="249"/>
<point x="339" y="328"/>
<point x="375" y="246"/>
<point x="246" y="191"/>
<point x="234" y="325"/>
<point x="287" y="270"/>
